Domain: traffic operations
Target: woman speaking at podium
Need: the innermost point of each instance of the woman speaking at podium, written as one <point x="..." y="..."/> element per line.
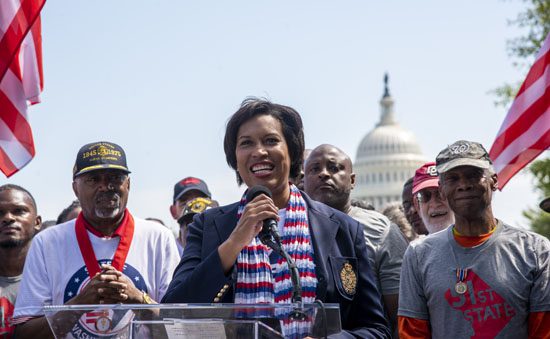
<point x="225" y="261"/>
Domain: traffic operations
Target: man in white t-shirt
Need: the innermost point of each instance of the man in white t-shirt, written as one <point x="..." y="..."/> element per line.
<point x="104" y="256"/>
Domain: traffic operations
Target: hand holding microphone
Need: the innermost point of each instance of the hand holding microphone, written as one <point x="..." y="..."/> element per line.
<point x="258" y="208"/>
<point x="269" y="232"/>
<point x="259" y="218"/>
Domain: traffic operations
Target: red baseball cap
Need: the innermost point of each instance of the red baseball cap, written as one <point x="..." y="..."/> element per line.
<point x="425" y="177"/>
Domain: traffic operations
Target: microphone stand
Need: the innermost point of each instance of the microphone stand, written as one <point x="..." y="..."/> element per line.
<point x="273" y="241"/>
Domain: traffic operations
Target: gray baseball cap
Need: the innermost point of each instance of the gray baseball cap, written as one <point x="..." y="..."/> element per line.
<point x="463" y="153"/>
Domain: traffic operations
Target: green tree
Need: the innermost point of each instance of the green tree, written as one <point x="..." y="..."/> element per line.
<point x="540" y="221"/>
<point x="536" y="21"/>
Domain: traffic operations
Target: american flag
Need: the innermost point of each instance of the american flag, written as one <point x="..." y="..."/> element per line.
<point x="21" y="79"/>
<point x="525" y="132"/>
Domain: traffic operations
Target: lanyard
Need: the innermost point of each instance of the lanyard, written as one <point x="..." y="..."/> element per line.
<point x="87" y="250"/>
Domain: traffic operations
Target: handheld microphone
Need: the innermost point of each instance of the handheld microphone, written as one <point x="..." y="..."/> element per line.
<point x="269" y="228"/>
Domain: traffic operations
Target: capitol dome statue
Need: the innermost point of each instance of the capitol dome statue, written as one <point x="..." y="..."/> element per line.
<point x="387" y="156"/>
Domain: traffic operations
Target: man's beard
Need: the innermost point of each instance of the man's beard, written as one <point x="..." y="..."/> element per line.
<point x="108" y="212"/>
<point x="13" y="243"/>
<point x="434" y="227"/>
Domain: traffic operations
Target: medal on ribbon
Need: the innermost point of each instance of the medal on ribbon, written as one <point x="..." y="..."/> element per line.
<point x="460" y="286"/>
<point x="103" y="323"/>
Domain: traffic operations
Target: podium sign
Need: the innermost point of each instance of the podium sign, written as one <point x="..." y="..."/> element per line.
<point x="174" y="321"/>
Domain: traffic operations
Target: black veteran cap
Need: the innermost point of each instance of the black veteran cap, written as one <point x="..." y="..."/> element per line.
<point x="195" y="206"/>
<point x="545" y="205"/>
<point x="99" y="155"/>
<point x="189" y="184"/>
<point x="463" y="153"/>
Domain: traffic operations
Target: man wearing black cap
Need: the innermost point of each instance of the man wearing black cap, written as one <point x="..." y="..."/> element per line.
<point x="104" y="256"/>
<point x="193" y="206"/>
<point x="480" y="277"/>
<point x="185" y="191"/>
<point x="545" y="205"/>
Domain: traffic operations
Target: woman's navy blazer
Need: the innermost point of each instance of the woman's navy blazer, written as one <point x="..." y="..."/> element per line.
<point x="337" y="239"/>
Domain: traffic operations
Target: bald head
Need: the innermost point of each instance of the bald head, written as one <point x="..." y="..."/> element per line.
<point x="329" y="149"/>
<point x="329" y="176"/>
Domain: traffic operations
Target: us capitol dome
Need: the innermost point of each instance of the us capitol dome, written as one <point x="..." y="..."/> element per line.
<point x="387" y="156"/>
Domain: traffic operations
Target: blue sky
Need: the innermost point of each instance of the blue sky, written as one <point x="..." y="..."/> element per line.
<point x="161" y="78"/>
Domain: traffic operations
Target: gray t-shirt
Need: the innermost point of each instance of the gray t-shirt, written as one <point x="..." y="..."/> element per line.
<point x="8" y="291"/>
<point x="508" y="277"/>
<point x="386" y="245"/>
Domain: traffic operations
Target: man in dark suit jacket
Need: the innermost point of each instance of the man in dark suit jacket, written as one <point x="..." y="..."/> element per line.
<point x="340" y="257"/>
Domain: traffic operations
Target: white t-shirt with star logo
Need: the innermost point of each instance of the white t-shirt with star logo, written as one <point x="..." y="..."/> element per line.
<point x="55" y="271"/>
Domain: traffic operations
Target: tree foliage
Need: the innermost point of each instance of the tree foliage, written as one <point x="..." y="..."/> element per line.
<point x="536" y="21"/>
<point x="541" y="171"/>
<point x="540" y="221"/>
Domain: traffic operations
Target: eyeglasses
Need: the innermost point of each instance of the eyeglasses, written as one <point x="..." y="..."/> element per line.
<point x="111" y="179"/>
<point x="426" y="195"/>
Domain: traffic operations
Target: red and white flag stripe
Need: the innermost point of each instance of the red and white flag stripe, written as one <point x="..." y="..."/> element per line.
<point x="525" y="132"/>
<point x="21" y="79"/>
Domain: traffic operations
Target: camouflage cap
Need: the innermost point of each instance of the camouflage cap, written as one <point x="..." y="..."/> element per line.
<point x="463" y="153"/>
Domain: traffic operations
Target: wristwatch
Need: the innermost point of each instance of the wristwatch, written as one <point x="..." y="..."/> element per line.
<point x="147" y="299"/>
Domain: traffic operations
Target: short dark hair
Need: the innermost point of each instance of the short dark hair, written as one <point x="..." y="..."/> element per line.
<point x="9" y="187"/>
<point x="396" y="214"/>
<point x="291" y="124"/>
<point x="409" y="182"/>
<point x="65" y="213"/>
<point x="362" y="204"/>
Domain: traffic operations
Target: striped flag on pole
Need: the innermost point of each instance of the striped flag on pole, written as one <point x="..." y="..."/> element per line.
<point x="20" y="79"/>
<point x="525" y="132"/>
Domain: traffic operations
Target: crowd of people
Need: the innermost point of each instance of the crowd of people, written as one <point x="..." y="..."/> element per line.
<point x="439" y="264"/>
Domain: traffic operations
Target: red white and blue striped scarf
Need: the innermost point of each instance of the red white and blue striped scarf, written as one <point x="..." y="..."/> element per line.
<point x="260" y="282"/>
